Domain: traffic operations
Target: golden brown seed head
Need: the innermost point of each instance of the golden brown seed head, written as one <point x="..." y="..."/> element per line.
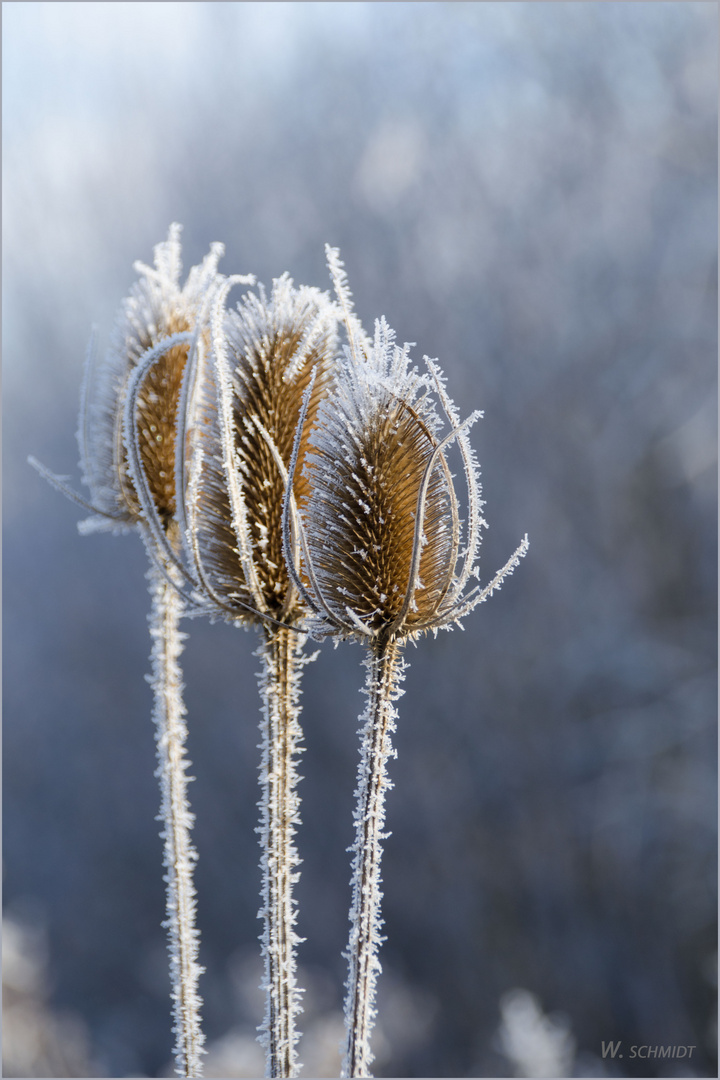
<point x="362" y="514"/>
<point x="251" y="393"/>
<point x="156" y="308"/>
<point x="379" y="534"/>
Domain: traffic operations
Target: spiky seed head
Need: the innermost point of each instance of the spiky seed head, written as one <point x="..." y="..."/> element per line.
<point x="157" y="307"/>
<point x="371" y="446"/>
<point x="264" y="353"/>
<point x="379" y="530"/>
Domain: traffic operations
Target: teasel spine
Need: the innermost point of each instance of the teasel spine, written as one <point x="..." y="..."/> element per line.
<point x="385" y="671"/>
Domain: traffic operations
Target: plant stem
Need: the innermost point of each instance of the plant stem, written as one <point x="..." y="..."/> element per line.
<point x="180" y="855"/>
<point x="282" y="663"/>
<point x="385" y="672"/>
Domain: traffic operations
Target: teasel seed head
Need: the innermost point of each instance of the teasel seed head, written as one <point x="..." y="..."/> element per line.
<point x="243" y="412"/>
<point x="156" y="309"/>
<point x="383" y="556"/>
<point x="129" y="400"/>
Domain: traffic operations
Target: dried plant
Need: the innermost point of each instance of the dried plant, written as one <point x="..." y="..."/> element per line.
<point x="376" y="550"/>
<point x="278" y="487"/>
<point x="129" y="452"/>
<point x="242" y="408"/>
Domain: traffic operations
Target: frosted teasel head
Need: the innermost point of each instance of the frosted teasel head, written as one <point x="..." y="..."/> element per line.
<point x="243" y="410"/>
<point x="377" y="548"/>
<point x="130" y="402"/>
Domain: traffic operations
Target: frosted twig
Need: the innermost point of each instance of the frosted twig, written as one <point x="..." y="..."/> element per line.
<point x="385" y="672"/>
<point x="282" y="663"/>
<point x="180" y="855"/>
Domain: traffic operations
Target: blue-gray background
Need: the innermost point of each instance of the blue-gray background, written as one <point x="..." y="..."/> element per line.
<point x="529" y="192"/>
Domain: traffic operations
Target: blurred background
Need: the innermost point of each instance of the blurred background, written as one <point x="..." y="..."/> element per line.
<point x="528" y="191"/>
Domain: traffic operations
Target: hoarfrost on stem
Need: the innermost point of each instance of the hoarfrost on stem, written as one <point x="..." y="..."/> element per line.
<point x="180" y="855"/>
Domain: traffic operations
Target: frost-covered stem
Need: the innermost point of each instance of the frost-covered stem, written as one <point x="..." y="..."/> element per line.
<point x="282" y="662"/>
<point x="385" y="672"/>
<point x="180" y="855"/>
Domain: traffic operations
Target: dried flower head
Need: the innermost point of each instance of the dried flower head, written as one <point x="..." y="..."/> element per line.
<point x="383" y="554"/>
<point x="243" y="409"/>
<point x="147" y="356"/>
<point x="130" y="399"/>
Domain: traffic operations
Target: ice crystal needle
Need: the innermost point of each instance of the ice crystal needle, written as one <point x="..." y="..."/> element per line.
<point x="376" y="552"/>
